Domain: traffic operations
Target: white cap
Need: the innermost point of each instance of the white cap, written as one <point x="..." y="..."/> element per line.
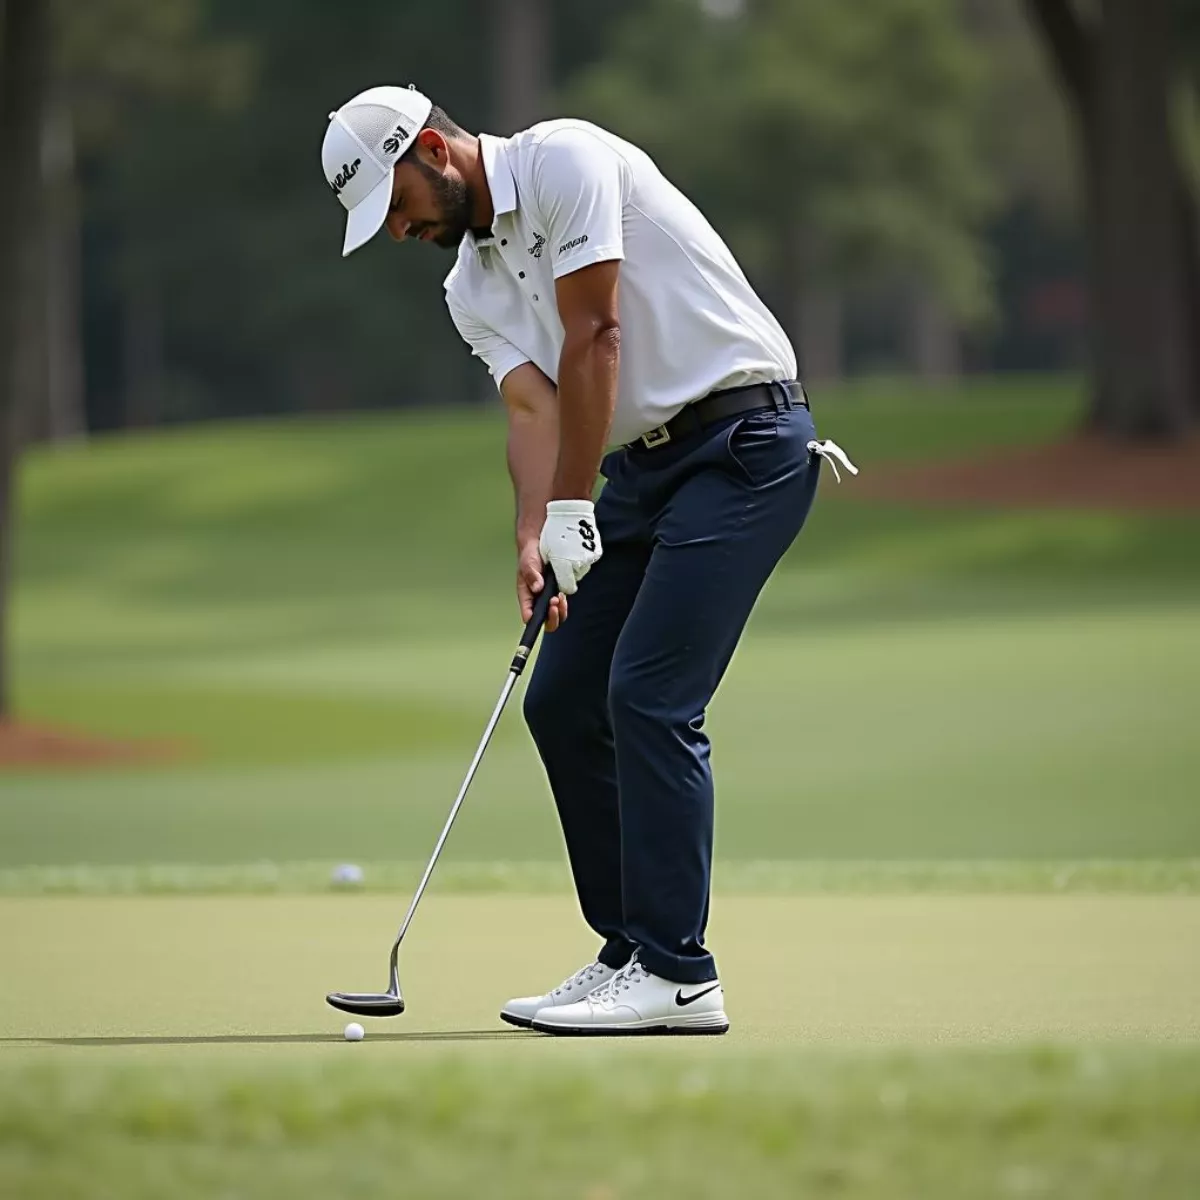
<point x="364" y="139"/>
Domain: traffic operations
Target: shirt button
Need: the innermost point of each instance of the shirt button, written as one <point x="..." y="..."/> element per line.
<point x="535" y="295"/>
<point x="521" y="274"/>
<point x="504" y="241"/>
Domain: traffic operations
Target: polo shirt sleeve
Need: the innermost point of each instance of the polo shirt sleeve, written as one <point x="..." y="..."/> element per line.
<point x="580" y="187"/>
<point x="500" y="355"/>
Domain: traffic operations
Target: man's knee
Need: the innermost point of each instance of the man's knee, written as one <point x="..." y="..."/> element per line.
<point x="643" y="691"/>
<point x="634" y="694"/>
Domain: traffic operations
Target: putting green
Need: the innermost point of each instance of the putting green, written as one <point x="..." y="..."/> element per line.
<point x="933" y="1046"/>
<point x="799" y="971"/>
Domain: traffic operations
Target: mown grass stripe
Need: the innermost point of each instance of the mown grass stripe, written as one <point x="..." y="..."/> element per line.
<point x="1150" y="876"/>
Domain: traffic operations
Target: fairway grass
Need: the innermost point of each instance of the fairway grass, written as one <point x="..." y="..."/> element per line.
<point x="1018" y="737"/>
<point x="551" y="1121"/>
<point x="924" y="1046"/>
<point x="276" y="600"/>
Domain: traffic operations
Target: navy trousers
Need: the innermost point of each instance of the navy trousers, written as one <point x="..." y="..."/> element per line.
<point x="691" y="530"/>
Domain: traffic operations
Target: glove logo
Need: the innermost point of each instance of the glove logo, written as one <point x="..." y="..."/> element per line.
<point x="587" y="535"/>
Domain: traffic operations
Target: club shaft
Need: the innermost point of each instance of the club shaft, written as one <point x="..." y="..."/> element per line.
<point x="509" y="683"/>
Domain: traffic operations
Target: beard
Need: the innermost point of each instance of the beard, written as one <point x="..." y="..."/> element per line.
<point x="454" y="200"/>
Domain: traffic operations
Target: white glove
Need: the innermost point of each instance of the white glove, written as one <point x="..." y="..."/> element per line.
<point x="570" y="541"/>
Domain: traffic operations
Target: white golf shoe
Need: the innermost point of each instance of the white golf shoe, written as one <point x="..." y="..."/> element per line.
<point x="634" y="1001"/>
<point x="523" y="1009"/>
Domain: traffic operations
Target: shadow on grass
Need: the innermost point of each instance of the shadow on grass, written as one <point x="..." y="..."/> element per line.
<point x="272" y="1039"/>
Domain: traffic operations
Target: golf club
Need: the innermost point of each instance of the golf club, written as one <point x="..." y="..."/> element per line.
<point x="391" y="1002"/>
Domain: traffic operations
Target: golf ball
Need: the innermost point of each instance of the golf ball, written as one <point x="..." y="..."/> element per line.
<point x="348" y="875"/>
<point x="355" y="1032"/>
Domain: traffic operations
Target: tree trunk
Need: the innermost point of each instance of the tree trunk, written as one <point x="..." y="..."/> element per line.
<point x="49" y="379"/>
<point x="819" y="315"/>
<point x="63" y="338"/>
<point x="520" y="63"/>
<point x="1140" y="323"/>
<point x="24" y="45"/>
<point x="1190" y="270"/>
<point x="8" y="463"/>
<point x="143" y="366"/>
<point x="1143" y="263"/>
<point x="814" y="315"/>
<point x="30" y="422"/>
<point x="932" y="336"/>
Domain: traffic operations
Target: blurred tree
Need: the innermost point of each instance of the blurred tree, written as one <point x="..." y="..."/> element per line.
<point x="1113" y="60"/>
<point x="520" y="35"/>
<point x="1025" y="132"/>
<point x="1033" y="237"/>
<point x="211" y="243"/>
<point x="123" y="63"/>
<point x="240" y="238"/>
<point x="258" y="311"/>
<point x="832" y="143"/>
<point x="50" y="362"/>
<point x="61" y="344"/>
<point x="24" y="59"/>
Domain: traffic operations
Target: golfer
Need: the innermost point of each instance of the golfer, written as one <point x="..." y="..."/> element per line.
<point x="626" y="343"/>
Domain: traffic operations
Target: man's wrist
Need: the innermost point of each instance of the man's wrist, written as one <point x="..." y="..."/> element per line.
<point x="572" y="489"/>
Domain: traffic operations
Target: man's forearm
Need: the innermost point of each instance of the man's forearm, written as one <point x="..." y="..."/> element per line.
<point x="587" y="396"/>
<point x="532" y="452"/>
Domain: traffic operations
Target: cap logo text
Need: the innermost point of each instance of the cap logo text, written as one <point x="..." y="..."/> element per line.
<point x="343" y="177"/>
<point x="394" y="140"/>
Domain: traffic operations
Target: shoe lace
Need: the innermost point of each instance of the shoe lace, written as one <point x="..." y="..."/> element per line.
<point x="583" y="976"/>
<point x="622" y="981"/>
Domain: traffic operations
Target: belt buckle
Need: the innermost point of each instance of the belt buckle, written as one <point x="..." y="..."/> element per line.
<point x="658" y="436"/>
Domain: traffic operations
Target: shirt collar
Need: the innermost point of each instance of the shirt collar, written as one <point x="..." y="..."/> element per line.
<point x="501" y="184"/>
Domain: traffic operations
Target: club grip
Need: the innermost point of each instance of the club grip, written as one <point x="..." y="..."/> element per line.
<point x="541" y="610"/>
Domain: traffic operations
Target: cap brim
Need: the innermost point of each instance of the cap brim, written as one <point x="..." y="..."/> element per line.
<point x="368" y="215"/>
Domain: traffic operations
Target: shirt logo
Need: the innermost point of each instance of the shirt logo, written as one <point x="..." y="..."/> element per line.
<point x="538" y="243"/>
<point x="572" y="244"/>
<point x="343" y="177"/>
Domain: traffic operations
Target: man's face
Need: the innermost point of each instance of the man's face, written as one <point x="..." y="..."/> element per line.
<point x="427" y="203"/>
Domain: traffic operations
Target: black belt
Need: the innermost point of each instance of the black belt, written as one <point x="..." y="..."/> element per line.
<point x="717" y="406"/>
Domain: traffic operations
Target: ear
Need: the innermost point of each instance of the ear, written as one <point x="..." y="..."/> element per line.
<point x="434" y="148"/>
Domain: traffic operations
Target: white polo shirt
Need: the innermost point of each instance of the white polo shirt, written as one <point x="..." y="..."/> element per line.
<point x="567" y="194"/>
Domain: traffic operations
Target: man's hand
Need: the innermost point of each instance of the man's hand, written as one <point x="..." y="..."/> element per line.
<point x="570" y="541"/>
<point x="530" y="582"/>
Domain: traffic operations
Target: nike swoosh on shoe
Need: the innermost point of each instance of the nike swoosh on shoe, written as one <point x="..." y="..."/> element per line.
<point x="683" y="1001"/>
